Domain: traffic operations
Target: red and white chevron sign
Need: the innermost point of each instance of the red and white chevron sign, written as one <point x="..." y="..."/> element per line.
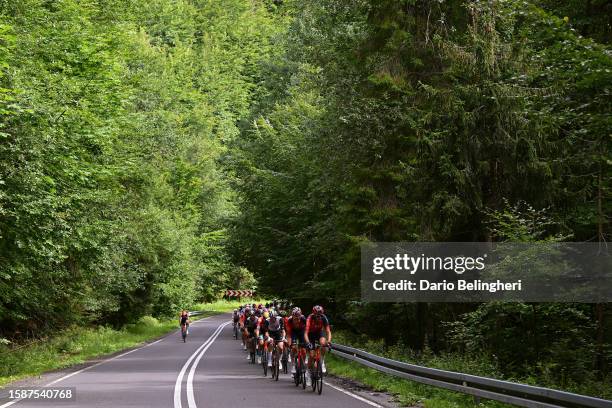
<point x="238" y="293"/>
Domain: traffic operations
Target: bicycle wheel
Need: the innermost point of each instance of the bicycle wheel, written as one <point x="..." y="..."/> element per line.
<point x="264" y="363"/>
<point x="276" y="367"/>
<point x="319" y="378"/>
<point x="304" y="374"/>
<point x="285" y="360"/>
<point x="313" y="376"/>
<point x="297" y="376"/>
<point x="252" y="351"/>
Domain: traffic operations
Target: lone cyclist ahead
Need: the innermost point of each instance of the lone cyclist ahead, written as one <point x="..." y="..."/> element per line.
<point x="184" y="323"/>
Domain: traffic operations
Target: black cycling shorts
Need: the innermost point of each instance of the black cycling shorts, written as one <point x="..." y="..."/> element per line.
<point x="276" y="335"/>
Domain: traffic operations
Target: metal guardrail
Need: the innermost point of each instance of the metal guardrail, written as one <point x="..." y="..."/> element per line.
<point x="195" y="313"/>
<point x="480" y="387"/>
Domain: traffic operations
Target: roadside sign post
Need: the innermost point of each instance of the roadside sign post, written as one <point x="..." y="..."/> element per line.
<point x="239" y="293"/>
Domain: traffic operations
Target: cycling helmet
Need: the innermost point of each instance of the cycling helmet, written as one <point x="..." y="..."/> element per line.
<point x="296" y="311"/>
<point x="266" y="314"/>
<point x="318" y="310"/>
<point x="273" y="314"/>
<point x="283" y="313"/>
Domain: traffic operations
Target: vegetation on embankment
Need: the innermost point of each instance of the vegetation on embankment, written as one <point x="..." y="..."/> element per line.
<point x="76" y="345"/>
<point x="222" y="306"/>
<point x="406" y="393"/>
<point x="114" y="118"/>
<point x="411" y="393"/>
<point x="443" y="121"/>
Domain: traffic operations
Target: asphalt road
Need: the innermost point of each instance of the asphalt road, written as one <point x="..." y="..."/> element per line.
<point x="210" y="370"/>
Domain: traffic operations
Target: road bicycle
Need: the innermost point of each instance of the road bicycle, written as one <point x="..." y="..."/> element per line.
<point x="276" y="357"/>
<point x="279" y="357"/>
<point x="252" y="346"/>
<point x="299" y="362"/>
<point x="316" y="373"/>
<point x="184" y="332"/>
<point x="285" y="358"/>
<point x="236" y="330"/>
<point x="264" y="358"/>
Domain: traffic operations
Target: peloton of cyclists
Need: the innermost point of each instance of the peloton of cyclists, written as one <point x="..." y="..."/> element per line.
<point x="271" y="326"/>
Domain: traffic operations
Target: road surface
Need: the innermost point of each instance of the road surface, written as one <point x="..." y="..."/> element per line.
<point x="210" y="370"/>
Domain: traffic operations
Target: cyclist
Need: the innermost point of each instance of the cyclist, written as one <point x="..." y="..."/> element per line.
<point x="317" y="330"/>
<point x="295" y="326"/>
<point x="242" y="319"/>
<point x="250" y="328"/>
<point x="236" y="320"/>
<point x="275" y="327"/>
<point x="262" y="332"/>
<point x="184" y="321"/>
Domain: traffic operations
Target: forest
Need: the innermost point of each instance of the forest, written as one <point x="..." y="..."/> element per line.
<point x="154" y="153"/>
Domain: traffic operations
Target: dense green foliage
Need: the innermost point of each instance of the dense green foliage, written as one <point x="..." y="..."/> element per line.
<point x="429" y="120"/>
<point x="114" y="116"/>
<point x="153" y="153"/>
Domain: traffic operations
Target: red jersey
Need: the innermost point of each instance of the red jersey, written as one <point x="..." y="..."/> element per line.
<point x="292" y="324"/>
<point x="316" y="323"/>
<point x="261" y="323"/>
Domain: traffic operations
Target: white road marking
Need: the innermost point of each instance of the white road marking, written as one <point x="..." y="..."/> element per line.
<point x="8" y="404"/>
<point x="360" y="398"/>
<point x="179" y="378"/>
<point x="190" y="396"/>
<point x="233" y="377"/>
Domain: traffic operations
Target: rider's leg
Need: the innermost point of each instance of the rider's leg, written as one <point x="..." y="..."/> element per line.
<point x="323" y="342"/>
<point x="260" y="349"/>
<point x="309" y="372"/>
<point x="270" y="349"/>
<point x="311" y="358"/>
<point x="249" y="345"/>
<point x="290" y="346"/>
<point x="281" y="347"/>
<point x="244" y="339"/>
<point x="292" y="354"/>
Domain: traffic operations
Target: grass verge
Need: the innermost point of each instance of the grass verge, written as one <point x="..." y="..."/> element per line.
<point x="223" y="306"/>
<point x="406" y="393"/>
<point x="79" y="344"/>
<point x="410" y="393"/>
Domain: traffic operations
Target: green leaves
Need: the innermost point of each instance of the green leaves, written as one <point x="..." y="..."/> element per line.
<point x="114" y="117"/>
<point x="421" y="120"/>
